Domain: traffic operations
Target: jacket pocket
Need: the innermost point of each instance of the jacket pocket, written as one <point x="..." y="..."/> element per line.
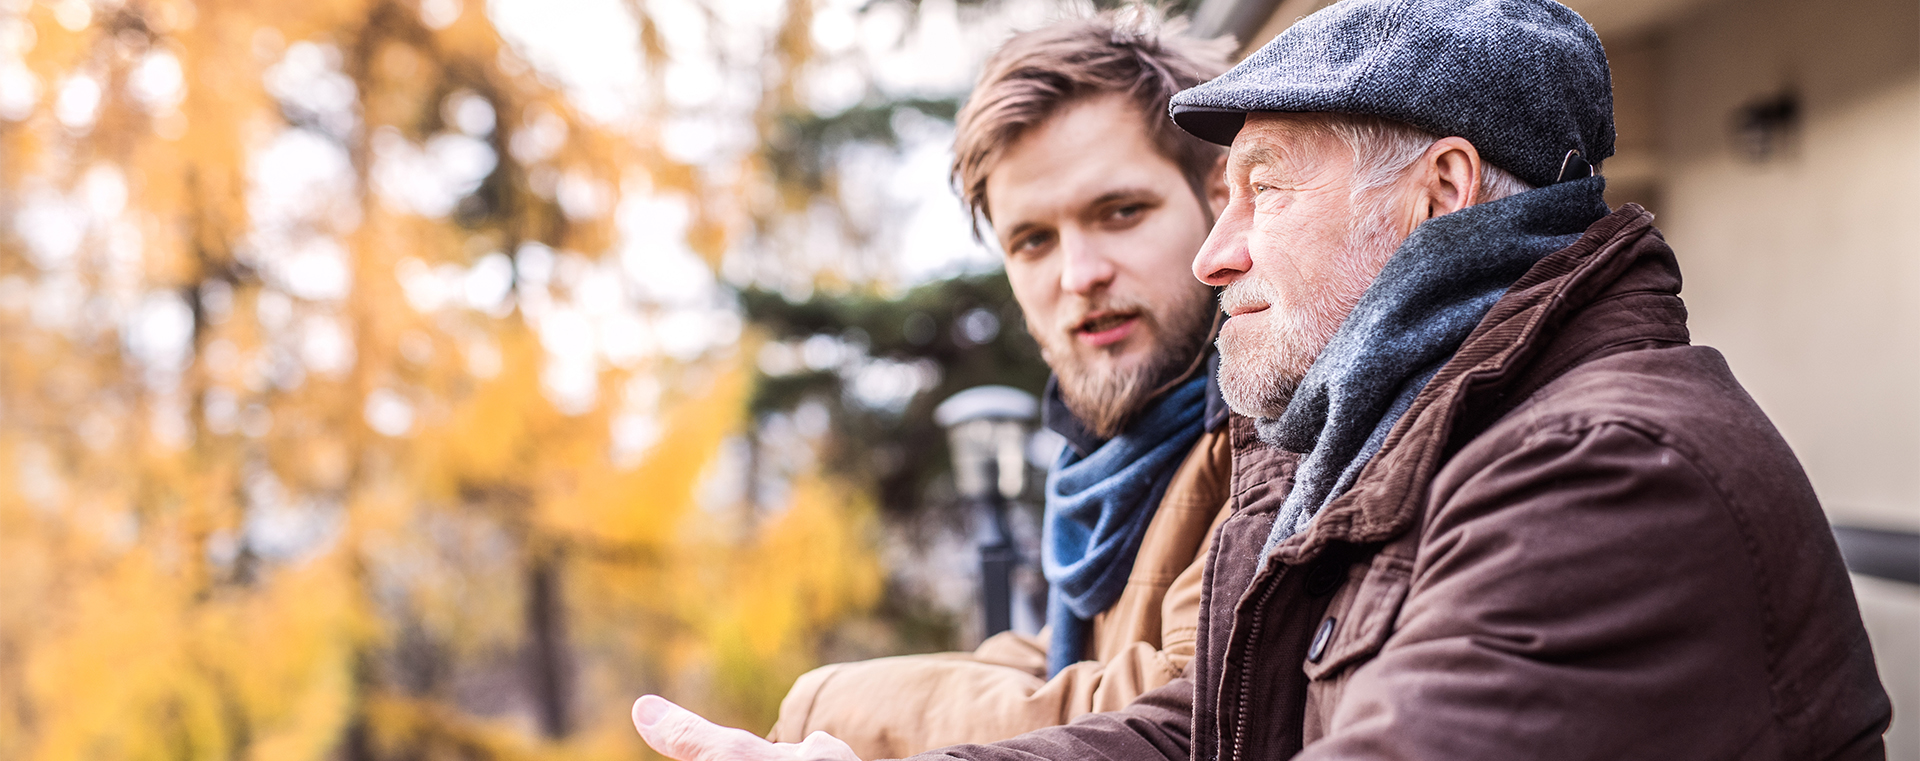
<point x="1360" y="617"/>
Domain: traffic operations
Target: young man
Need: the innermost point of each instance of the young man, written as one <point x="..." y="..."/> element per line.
<point x="1099" y="236"/>
<point x="1489" y="501"/>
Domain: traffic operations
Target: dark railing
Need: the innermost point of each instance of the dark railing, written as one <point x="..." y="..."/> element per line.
<point x="1893" y="555"/>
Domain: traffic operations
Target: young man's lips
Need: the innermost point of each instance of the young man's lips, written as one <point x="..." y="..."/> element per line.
<point x="1109" y="332"/>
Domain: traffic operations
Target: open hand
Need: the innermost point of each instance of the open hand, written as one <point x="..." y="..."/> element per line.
<point x="682" y="735"/>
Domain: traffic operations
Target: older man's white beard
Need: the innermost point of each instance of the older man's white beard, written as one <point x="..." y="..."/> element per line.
<point x="1259" y="373"/>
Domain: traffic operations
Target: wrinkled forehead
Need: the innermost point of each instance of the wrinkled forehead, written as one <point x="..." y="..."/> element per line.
<point x="1283" y="141"/>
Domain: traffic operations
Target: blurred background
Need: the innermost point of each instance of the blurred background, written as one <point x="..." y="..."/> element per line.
<point x="426" y="379"/>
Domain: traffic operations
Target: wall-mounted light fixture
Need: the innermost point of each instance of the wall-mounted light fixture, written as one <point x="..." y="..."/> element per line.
<point x="1764" y="128"/>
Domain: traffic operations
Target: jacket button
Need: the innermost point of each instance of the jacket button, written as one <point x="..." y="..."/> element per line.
<point x="1318" y="649"/>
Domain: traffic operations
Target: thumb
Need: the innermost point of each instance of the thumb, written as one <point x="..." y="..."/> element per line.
<point x="682" y="735"/>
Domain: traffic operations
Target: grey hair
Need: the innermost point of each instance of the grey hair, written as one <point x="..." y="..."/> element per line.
<point x="1384" y="148"/>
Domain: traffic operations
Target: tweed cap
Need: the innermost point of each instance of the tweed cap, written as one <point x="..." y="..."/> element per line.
<point x="1525" y="81"/>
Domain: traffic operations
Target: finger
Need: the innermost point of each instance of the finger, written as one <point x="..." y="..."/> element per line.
<point x="821" y="745"/>
<point x="680" y="734"/>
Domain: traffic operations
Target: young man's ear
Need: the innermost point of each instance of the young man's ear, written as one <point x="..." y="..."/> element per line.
<point x="1217" y="187"/>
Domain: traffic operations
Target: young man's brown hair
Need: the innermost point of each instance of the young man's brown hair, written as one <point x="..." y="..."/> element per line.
<point x="1130" y="51"/>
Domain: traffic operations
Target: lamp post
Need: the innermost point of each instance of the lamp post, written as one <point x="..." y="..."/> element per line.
<point x="987" y="433"/>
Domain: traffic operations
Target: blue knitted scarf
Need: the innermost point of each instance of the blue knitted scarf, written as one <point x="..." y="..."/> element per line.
<point x="1098" y="507"/>
<point x="1428" y="297"/>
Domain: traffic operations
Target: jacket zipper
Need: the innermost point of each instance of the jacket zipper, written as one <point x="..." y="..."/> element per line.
<point x="1246" y="672"/>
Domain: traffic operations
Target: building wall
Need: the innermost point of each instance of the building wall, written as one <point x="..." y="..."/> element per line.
<point x="1802" y="262"/>
<point x="1803" y="267"/>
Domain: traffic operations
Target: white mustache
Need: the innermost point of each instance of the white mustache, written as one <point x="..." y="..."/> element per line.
<point x="1249" y="293"/>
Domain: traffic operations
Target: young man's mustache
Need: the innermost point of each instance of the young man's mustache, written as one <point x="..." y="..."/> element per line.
<point x="1099" y="315"/>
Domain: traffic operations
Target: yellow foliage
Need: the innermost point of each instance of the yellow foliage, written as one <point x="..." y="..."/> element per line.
<point x="324" y="520"/>
<point x="762" y="610"/>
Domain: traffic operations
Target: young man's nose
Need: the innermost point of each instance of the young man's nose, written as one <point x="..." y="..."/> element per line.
<point x="1223" y="258"/>
<point x="1085" y="266"/>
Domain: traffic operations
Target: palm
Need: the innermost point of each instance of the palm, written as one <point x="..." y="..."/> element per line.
<point x="682" y="735"/>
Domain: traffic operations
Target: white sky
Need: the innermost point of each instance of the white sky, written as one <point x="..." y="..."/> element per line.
<point x="591" y="50"/>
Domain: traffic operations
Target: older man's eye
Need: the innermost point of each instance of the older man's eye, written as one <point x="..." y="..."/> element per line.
<point x="1265" y="197"/>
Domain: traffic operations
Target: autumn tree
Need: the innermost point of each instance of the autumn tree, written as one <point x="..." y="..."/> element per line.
<point x="363" y="397"/>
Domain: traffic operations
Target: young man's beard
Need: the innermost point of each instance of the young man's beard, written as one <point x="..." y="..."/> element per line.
<point x="1106" y="401"/>
<point x="1259" y="374"/>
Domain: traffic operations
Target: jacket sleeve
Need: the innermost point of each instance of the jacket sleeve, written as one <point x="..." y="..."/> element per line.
<point x="1584" y="594"/>
<point x="892" y="707"/>
<point x="1154" y="727"/>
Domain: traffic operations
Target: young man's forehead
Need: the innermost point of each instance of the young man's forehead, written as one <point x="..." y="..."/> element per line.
<point x="1081" y="157"/>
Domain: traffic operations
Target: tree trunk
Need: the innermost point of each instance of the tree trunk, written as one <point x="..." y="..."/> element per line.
<point x="547" y="672"/>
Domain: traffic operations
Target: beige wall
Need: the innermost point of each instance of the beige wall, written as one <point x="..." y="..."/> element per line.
<point x="1804" y="268"/>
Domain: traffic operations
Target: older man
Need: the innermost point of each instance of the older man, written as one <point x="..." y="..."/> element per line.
<point x="1099" y="236"/>
<point x="1489" y="502"/>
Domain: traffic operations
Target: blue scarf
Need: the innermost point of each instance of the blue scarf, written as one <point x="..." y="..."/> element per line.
<point x="1098" y="507"/>
<point x="1428" y="297"/>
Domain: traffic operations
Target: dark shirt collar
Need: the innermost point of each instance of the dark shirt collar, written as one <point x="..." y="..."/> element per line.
<point x="1216" y="402"/>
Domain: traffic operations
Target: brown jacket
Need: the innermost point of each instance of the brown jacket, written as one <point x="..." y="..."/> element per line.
<point x="1584" y="540"/>
<point x="893" y="707"/>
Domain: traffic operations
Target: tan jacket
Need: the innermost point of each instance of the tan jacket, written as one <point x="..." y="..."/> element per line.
<point x="894" y="707"/>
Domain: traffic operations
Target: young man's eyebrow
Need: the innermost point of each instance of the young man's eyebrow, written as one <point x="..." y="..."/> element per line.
<point x="1116" y="195"/>
<point x="1017" y="230"/>
<point x="1124" y="194"/>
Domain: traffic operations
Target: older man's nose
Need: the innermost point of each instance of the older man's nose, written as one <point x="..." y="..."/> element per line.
<point x="1223" y="258"/>
<point x="1084" y="267"/>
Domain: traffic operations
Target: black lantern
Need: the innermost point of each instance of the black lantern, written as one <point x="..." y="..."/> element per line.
<point x="987" y="429"/>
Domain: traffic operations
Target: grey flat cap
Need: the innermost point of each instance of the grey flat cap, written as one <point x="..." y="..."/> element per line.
<point x="1525" y="81"/>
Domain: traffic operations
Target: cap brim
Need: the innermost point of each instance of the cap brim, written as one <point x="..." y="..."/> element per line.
<point x="1214" y="125"/>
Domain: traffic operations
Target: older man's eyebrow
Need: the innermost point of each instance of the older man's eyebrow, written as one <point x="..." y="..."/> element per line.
<point x="1254" y="155"/>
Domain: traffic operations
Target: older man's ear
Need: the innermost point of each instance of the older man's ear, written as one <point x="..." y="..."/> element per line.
<point x="1448" y="177"/>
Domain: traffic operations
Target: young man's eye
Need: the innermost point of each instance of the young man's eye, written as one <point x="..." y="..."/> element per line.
<point x="1026" y="243"/>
